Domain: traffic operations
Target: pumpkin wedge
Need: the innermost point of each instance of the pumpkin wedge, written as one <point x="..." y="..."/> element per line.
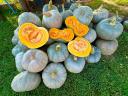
<point x="65" y="34"/>
<point x="32" y="36"/>
<point x="79" y="47"/>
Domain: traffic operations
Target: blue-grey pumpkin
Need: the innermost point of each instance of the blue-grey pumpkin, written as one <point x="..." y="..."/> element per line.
<point x="74" y="64"/>
<point x="125" y="23"/>
<point x="48" y="7"/>
<point x="52" y="19"/>
<point x="100" y="14"/>
<point x="84" y="14"/>
<point x="109" y="29"/>
<point x="95" y="55"/>
<point x="73" y="6"/>
<point x="54" y="75"/>
<point x="91" y="35"/>
<point x="14" y="40"/>
<point x="107" y="47"/>
<point x="57" y="52"/>
<point x="30" y="17"/>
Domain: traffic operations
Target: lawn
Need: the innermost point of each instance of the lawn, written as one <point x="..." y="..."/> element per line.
<point x="109" y="77"/>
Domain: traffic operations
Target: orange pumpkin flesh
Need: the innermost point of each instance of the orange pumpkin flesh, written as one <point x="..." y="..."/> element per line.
<point x="32" y="36"/>
<point x="79" y="47"/>
<point x="65" y="34"/>
<point x="78" y="28"/>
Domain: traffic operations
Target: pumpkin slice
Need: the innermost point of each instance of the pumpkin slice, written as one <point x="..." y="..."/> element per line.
<point x="32" y="36"/>
<point x="78" y="28"/>
<point x="79" y="47"/>
<point x="65" y="34"/>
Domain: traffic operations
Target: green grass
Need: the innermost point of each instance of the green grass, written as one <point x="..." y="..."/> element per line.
<point x="109" y="77"/>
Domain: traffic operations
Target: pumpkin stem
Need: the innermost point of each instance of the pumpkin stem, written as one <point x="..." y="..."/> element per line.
<point x="53" y="74"/>
<point x="58" y="47"/>
<point x="75" y="58"/>
<point x="50" y="5"/>
<point x="78" y="3"/>
<point x="48" y="14"/>
<point x="63" y="7"/>
<point x="101" y="6"/>
<point x="92" y="51"/>
<point x="113" y="21"/>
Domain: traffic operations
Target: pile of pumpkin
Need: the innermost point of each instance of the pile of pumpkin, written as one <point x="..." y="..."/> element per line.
<point x="63" y="40"/>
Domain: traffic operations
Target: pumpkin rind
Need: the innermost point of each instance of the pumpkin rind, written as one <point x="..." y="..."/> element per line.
<point x="107" y="47"/>
<point x="74" y="64"/>
<point x="34" y="60"/>
<point x="108" y="31"/>
<point x="78" y="28"/>
<point x="57" y="52"/>
<point x="25" y="81"/>
<point x="65" y="34"/>
<point x="126" y="24"/>
<point x="14" y="40"/>
<point x="91" y="36"/>
<point x="54" y="20"/>
<point x="29" y="17"/>
<point x="79" y="47"/>
<point x="73" y="6"/>
<point x="95" y="56"/>
<point x="18" y="61"/>
<point x="54" y="75"/>
<point x="32" y="36"/>
<point x="84" y="14"/>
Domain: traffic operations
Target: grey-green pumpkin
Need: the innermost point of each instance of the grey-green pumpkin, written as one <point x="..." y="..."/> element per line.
<point x="52" y="19"/>
<point x="73" y="6"/>
<point x="14" y="40"/>
<point x="30" y="17"/>
<point x="95" y="56"/>
<point x="25" y="81"/>
<point x="107" y="47"/>
<point x="54" y="75"/>
<point x="109" y="29"/>
<point x="91" y="35"/>
<point x="125" y="23"/>
<point x="84" y="14"/>
<point x="74" y="64"/>
<point x="18" y="61"/>
<point x="34" y="60"/>
<point x="57" y="52"/>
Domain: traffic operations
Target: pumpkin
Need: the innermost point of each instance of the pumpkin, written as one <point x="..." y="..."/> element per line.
<point x="52" y="19"/>
<point x="78" y="28"/>
<point x="25" y="81"/>
<point x="18" y="61"/>
<point x="57" y="52"/>
<point x="125" y="24"/>
<point x="29" y="17"/>
<point x="50" y="41"/>
<point x="32" y="36"/>
<point x="100" y="14"/>
<point x="73" y="6"/>
<point x="14" y="40"/>
<point x="66" y="13"/>
<point x="91" y="36"/>
<point x="79" y="47"/>
<point x="107" y="47"/>
<point x="74" y="64"/>
<point x="84" y="14"/>
<point x="18" y="48"/>
<point x="65" y="34"/>
<point x="16" y="32"/>
<point x="95" y="55"/>
<point x="54" y="75"/>
<point x="109" y="29"/>
<point x="48" y="7"/>
<point x="34" y="60"/>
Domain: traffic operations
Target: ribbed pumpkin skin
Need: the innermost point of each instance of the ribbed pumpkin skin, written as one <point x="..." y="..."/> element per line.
<point x="107" y="47"/>
<point x="100" y="14"/>
<point x="94" y="57"/>
<point x="73" y="6"/>
<point x="29" y="17"/>
<point x="126" y="24"/>
<point x="18" y="61"/>
<point x="66" y="13"/>
<point x="74" y="64"/>
<point x="25" y="81"/>
<point x="53" y="21"/>
<point x="54" y="75"/>
<point x="14" y="40"/>
<point x="84" y="14"/>
<point x="107" y="31"/>
<point x="57" y="52"/>
<point x="91" y="35"/>
<point x="34" y="60"/>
